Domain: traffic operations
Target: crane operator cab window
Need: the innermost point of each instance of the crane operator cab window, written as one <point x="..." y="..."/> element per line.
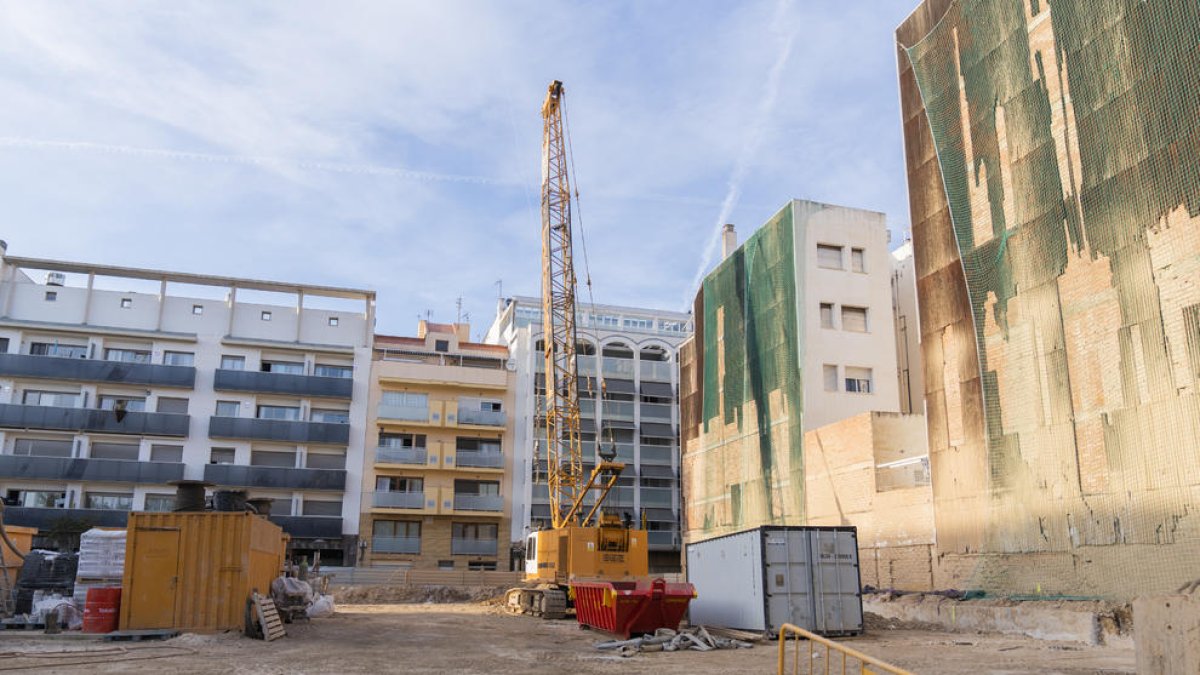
<point x="531" y="554"/>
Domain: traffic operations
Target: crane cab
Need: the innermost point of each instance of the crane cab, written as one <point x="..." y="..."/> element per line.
<point x="605" y="551"/>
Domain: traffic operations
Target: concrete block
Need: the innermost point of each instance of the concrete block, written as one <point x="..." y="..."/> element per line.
<point x="1061" y="621"/>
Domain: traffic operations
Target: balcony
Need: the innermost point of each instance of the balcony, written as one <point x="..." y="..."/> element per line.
<point x="657" y="497"/>
<point x="275" y="477"/>
<point x="486" y="418"/>
<point x="473" y="547"/>
<point x="659" y="371"/>
<point x="15" y="416"/>
<point x="109" y="470"/>
<point x="481" y="460"/>
<point x="46" y="519"/>
<point x="398" y="500"/>
<point x="403" y="413"/>
<point x="310" y="527"/>
<point x="662" y="539"/>
<point x="619" y="368"/>
<point x="476" y="502"/>
<point x="617" y="410"/>
<point x="586" y="365"/>
<point x="389" y="455"/>
<point x="396" y="544"/>
<point x="282" y="383"/>
<point x="624" y="451"/>
<point x="91" y="370"/>
<point x="657" y="411"/>
<point x="658" y="454"/>
<point x="291" y="431"/>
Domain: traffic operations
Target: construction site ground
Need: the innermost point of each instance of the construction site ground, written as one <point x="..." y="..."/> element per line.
<point x="469" y="637"/>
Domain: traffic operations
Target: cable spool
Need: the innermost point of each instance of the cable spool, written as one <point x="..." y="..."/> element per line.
<point x="189" y="494"/>
<point x="229" y="501"/>
<point x="260" y="505"/>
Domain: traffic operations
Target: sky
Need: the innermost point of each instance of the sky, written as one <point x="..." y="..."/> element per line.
<point x="396" y="145"/>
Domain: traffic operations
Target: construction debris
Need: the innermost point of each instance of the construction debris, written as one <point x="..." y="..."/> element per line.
<point x="696" y="638"/>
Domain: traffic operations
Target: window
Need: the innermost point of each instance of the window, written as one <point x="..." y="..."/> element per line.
<point x="281" y="507"/>
<point x="322" y="507"/>
<point x="55" y="349"/>
<point x="441" y="345"/>
<point x="829" y="257"/>
<point x="476" y="487"/>
<point x="638" y="324"/>
<point x="51" y="296"/>
<point x="38" y="499"/>
<point x="229" y="362"/>
<point x="481" y="565"/>
<point x="42" y="447"/>
<point x="285" y="459"/>
<point x="228" y="408"/>
<point x="854" y="319"/>
<point x="197" y="310"/>
<point x="333" y="321"/>
<point x="284" y="367"/>
<point x="331" y="416"/>
<point x="826" y="315"/>
<point x="123" y="451"/>
<point x="490" y="406"/>
<point x="113" y="401"/>
<point x="3" y="345"/>
<point x="397" y="528"/>
<point x="126" y="303"/>
<point x="166" y="453"/>
<point x="398" y="484"/>
<point x="278" y="412"/>
<point x="172" y="405"/>
<point x="127" y="355"/>
<point x="858" y="380"/>
<point x="109" y="501"/>
<point x="54" y="399"/>
<point x="831" y="377"/>
<point x="265" y="316"/>
<point x="484" y="531"/>
<point x="401" y="440"/>
<point x="489" y="446"/>
<point x="445" y="564"/>
<point x="858" y="262"/>
<point x="160" y="503"/>
<point x="221" y="456"/>
<point x="325" y="460"/>
<point x="344" y="372"/>
<point x="404" y="399"/>
<point x="179" y="358"/>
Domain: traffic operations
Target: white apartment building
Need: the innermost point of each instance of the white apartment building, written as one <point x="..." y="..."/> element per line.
<point x="629" y="377"/>
<point x="107" y="396"/>
<point x="908" y="330"/>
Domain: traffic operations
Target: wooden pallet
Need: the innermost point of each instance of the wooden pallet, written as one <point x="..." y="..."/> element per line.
<point x="139" y="635"/>
<point x="268" y="618"/>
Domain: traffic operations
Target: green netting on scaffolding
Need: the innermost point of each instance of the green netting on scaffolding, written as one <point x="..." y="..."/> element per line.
<point x="752" y="377"/>
<point x="1068" y="140"/>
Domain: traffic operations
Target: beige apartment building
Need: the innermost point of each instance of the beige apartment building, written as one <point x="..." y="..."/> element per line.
<point x="439" y="452"/>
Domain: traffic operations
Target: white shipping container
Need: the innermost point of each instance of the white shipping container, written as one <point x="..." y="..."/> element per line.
<point x="760" y="579"/>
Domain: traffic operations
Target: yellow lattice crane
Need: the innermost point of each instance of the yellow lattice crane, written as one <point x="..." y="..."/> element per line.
<point x="584" y="542"/>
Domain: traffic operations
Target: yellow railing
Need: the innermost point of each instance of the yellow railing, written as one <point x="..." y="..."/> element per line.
<point x="866" y="664"/>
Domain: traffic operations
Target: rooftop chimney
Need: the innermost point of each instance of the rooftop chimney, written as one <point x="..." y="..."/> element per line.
<point x="728" y="241"/>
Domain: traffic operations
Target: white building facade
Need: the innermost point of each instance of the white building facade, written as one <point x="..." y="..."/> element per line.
<point x="629" y="383"/>
<point x="107" y="396"/>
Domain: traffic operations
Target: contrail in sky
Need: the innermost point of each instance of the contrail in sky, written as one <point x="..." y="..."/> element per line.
<point x="766" y="106"/>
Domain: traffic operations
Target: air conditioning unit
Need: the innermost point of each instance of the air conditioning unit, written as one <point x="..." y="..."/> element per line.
<point x="56" y="279"/>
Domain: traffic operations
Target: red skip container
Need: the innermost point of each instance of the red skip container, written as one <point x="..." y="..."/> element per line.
<point x="627" y="608"/>
<point x="101" y="610"/>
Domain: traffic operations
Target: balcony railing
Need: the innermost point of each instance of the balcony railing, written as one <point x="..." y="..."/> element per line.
<point x="91" y="370"/>
<point x="473" y="547"/>
<point x="619" y="368"/>
<point x="396" y="544"/>
<point x="389" y="455"/>
<point x="403" y="413"/>
<point x="398" y="500"/>
<point x="489" y="418"/>
<point x="46" y="519"/>
<point x="310" y="527"/>
<point x="656" y="411"/>
<point x="659" y="371"/>
<point x="624" y="451"/>
<point x="586" y="365"/>
<point x="660" y="497"/>
<point x="617" y="410"/>
<point x="275" y="477"/>
<point x="109" y="470"/>
<point x="660" y="539"/>
<point x="282" y="383"/>
<point x="473" y="502"/>
<point x="293" y="431"/>
<point x="658" y="454"/>
<point x="482" y="460"/>
<point x="15" y="416"/>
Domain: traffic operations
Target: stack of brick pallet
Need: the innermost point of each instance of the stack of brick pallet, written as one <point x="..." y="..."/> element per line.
<point x="101" y="562"/>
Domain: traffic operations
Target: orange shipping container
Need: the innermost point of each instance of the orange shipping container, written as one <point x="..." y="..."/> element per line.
<point x="193" y="571"/>
<point x="22" y="538"/>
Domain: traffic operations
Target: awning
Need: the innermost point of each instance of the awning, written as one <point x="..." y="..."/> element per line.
<point x="657" y="389"/>
<point x="619" y="424"/>
<point x="619" y="386"/>
<point x="656" y="471"/>
<point x="657" y="430"/>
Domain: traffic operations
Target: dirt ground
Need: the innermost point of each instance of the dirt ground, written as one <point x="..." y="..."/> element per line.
<point x="473" y="638"/>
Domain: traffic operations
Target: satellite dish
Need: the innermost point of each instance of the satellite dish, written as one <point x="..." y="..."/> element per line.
<point x="511" y="364"/>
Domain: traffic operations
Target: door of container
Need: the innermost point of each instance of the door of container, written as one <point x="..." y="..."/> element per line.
<point x="156" y="570"/>
<point x="835" y="581"/>
<point x="788" y="572"/>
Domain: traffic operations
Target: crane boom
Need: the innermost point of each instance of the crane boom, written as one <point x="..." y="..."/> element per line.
<point x="564" y="452"/>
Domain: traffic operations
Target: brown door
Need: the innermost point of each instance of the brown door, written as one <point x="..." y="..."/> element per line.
<point x="156" y="569"/>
